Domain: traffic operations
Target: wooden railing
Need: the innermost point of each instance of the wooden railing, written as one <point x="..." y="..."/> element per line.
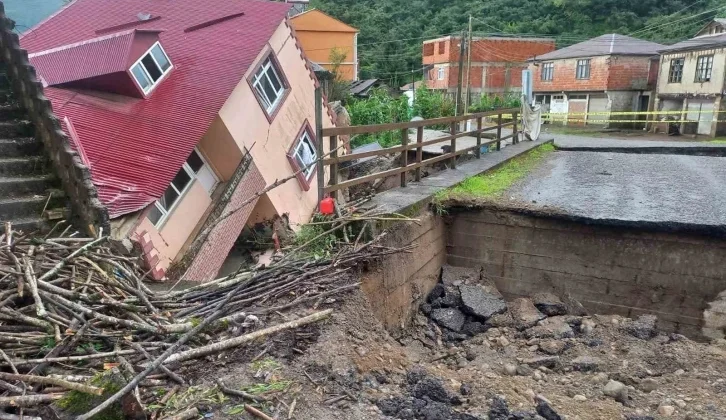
<point x="334" y="160"/>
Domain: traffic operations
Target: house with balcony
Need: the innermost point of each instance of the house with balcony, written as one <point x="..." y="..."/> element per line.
<point x="692" y="80"/>
<point x="585" y="82"/>
<point x="182" y="114"/>
<point x="496" y="63"/>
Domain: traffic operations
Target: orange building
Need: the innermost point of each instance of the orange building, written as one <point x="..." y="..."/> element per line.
<point x="320" y="35"/>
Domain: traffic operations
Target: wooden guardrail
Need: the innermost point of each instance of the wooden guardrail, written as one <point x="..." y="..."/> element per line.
<point x="334" y="160"/>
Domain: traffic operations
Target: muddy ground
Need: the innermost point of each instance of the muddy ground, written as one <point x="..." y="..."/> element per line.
<point x="350" y="368"/>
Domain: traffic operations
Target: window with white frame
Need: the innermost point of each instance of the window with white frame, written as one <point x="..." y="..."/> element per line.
<point x="548" y="71"/>
<point x="583" y="69"/>
<point x="269" y="86"/>
<point x="704" y="68"/>
<point x="441" y="73"/>
<point x="194" y="168"/>
<point x="151" y="67"/>
<point x="305" y="154"/>
<point x="675" y="74"/>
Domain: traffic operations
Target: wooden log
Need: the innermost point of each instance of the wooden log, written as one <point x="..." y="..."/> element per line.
<point x="45" y="380"/>
<point x="191" y="413"/>
<point x="29" y="400"/>
<point x="243" y="339"/>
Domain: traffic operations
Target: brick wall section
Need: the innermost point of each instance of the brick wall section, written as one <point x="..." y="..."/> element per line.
<point x="213" y="252"/>
<point x="609" y="270"/>
<point x="494" y="53"/>
<point x="606" y="73"/>
<point x="399" y="283"/>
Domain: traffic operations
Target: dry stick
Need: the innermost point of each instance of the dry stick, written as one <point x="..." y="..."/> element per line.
<point x="6" y="416"/>
<point x="241" y="394"/>
<point x="87" y="389"/>
<point x="52" y="272"/>
<point x="191" y="413"/>
<point x="10" y="387"/>
<point x="238" y="341"/>
<point x="178" y="379"/>
<point x="26" y="362"/>
<point x="29" y="400"/>
<point x="257" y="413"/>
<point x="33" y="286"/>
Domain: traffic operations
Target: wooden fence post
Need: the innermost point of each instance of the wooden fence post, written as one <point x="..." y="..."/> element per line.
<point x="499" y="131"/>
<point x="334" y="166"/>
<point x="404" y="155"/>
<point x="419" y="152"/>
<point x="478" y="138"/>
<point x="515" y="138"/>
<point x="453" y="146"/>
<point x="319" y="141"/>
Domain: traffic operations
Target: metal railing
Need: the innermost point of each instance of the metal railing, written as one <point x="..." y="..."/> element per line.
<point x="333" y="161"/>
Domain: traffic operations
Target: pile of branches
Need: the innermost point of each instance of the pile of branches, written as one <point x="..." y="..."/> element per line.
<point x="75" y="313"/>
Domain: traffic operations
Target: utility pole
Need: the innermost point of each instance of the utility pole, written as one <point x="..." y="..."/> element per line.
<point x="413" y="86"/>
<point x="467" y="99"/>
<point x="462" y="47"/>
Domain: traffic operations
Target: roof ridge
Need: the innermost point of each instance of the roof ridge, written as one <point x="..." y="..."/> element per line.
<point x="89" y="41"/>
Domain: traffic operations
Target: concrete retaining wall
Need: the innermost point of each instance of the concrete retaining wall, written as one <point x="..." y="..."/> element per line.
<point x="397" y="286"/>
<point x="609" y="270"/>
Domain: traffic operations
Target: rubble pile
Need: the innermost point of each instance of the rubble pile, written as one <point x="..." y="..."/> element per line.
<point x="81" y="331"/>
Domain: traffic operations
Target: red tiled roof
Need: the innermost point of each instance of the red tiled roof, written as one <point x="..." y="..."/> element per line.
<point x="136" y="146"/>
<point x="83" y="60"/>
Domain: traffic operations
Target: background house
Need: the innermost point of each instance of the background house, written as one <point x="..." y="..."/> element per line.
<point x="176" y="129"/>
<point x="320" y="35"/>
<point x="610" y="73"/>
<point x="692" y="80"/>
<point x="496" y="63"/>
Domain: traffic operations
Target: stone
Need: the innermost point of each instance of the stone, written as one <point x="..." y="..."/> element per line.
<point x="459" y="275"/>
<point x="471" y="354"/>
<point x="431" y="388"/>
<point x="510" y="369"/>
<point x="502" y="341"/>
<point x="648" y="385"/>
<point x="616" y="390"/>
<point x="544" y="409"/>
<point x="451" y="298"/>
<point x="549" y="304"/>
<point x="524" y="314"/>
<point x="524" y="370"/>
<point x="579" y="398"/>
<point x="426" y="308"/>
<point x="554" y="327"/>
<point x="550" y="362"/>
<point x="500" y="320"/>
<point x="465" y="389"/>
<point x="416" y="374"/>
<point x="552" y="347"/>
<point x="498" y="409"/>
<point x="436" y="293"/>
<point x="585" y="364"/>
<point x="643" y="327"/>
<point x="524" y="415"/>
<point x="680" y="403"/>
<point x="449" y="318"/>
<point x="638" y="417"/>
<point x="473" y="328"/>
<point x="391" y="406"/>
<point x="587" y="326"/>
<point x="666" y="410"/>
<point x="600" y="378"/>
<point x="434" y="411"/>
<point x="478" y="303"/>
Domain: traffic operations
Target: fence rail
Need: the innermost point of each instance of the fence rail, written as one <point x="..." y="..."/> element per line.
<point x="333" y="161"/>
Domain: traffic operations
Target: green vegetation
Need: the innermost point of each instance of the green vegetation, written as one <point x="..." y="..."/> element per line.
<point x="272" y="386"/>
<point x="493" y="184"/>
<point x="492" y="102"/>
<point x="76" y="402"/>
<point x="379" y="108"/>
<point x="718" y="140"/>
<point x="316" y="242"/>
<point x="391" y="31"/>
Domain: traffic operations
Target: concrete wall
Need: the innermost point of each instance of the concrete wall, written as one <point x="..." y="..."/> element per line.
<point x="688" y="85"/>
<point x="606" y="73"/>
<point x="609" y="270"/>
<point x="399" y="284"/>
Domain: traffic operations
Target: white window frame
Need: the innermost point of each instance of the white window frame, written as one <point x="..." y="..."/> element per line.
<point x="582" y="69"/>
<point x="268" y="64"/>
<point x="192" y="178"/>
<point x="441" y="74"/>
<point x="548" y="71"/>
<point x="146" y="72"/>
<point x="308" y="173"/>
<point x="704" y="68"/>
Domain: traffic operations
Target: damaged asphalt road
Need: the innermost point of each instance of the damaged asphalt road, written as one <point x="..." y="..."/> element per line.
<point x="629" y="187"/>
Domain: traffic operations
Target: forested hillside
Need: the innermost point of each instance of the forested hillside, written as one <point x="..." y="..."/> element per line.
<point x="392" y="30"/>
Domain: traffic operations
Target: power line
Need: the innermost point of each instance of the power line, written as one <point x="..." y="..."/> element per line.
<point x="385" y="42"/>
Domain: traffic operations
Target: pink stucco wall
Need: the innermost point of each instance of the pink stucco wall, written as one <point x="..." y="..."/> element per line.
<point x="272" y="140"/>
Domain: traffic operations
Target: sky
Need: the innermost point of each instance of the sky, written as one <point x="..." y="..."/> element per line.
<point x="27" y="13"/>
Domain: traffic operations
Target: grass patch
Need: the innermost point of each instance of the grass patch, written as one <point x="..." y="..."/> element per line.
<point x="718" y="140"/>
<point x="576" y="131"/>
<point x="493" y="184"/>
<point x="274" y="386"/>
